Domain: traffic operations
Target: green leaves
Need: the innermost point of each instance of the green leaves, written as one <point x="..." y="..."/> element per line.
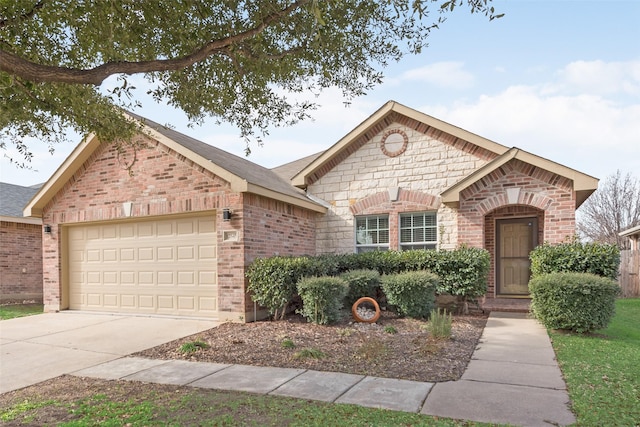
<point x="322" y="298"/>
<point x="601" y="259"/>
<point x="580" y="302"/>
<point x="237" y="61"/>
<point x="413" y="294"/>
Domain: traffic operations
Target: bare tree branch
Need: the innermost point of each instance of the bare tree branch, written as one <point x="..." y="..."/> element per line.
<point x="611" y="209"/>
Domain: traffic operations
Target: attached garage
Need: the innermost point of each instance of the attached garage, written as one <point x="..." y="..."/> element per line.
<point x="165" y="225"/>
<point x="158" y="265"/>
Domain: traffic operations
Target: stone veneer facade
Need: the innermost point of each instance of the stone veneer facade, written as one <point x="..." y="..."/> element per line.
<point x="20" y="261"/>
<point x="164" y="182"/>
<point x="359" y="184"/>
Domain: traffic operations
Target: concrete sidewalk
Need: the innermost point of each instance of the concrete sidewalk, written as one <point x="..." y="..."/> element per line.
<point x="513" y="378"/>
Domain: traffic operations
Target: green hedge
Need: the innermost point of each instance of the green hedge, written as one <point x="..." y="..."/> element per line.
<point x="580" y="302"/>
<point x="362" y="283"/>
<point x="596" y="258"/>
<point x="413" y="294"/>
<point x="322" y="298"/>
<point x="272" y="281"/>
<point x="463" y="272"/>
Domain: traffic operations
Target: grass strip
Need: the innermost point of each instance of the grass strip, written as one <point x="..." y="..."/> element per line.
<point x="602" y="370"/>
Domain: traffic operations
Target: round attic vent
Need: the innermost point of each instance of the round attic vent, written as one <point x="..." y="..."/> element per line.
<point x="394" y="142"/>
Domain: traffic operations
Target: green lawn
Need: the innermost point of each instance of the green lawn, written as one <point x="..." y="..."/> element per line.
<point x="19" y="310"/>
<point x="119" y="404"/>
<point x="602" y="370"/>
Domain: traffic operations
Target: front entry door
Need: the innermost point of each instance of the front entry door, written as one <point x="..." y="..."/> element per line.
<point x="515" y="239"/>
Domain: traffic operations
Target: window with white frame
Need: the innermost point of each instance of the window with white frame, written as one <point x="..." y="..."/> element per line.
<point x="372" y="233"/>
<point x="418" y="231"/>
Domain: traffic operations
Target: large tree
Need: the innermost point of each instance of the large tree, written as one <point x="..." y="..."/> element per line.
<point x="233" y="60"/>
<point x="613" y="208"/>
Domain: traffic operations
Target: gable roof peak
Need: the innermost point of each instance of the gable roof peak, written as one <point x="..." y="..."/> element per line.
<point x="379" y="119"/>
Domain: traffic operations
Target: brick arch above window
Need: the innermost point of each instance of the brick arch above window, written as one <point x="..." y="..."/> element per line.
<point x="513" y="197"/>
<point x="407" y="200"/>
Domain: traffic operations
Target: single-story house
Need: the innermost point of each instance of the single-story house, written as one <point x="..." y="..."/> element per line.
<point x="20" y="246"/>
<point x="169" y="225"/>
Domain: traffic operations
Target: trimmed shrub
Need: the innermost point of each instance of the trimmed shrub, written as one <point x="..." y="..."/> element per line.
<point x="322" y="298"/>
<point x="272" y="281"/>
<point x="600" y="259"/>
<point x="580" y="302"/>
<point x="362" y="283"/>
<point x="411" y="293"/>
<point x="463" y="271"/>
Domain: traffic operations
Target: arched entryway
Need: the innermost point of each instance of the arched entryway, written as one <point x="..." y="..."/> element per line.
<point x="511" y="233"/>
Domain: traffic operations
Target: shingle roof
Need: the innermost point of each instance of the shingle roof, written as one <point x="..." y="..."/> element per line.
<point x="243" y="168"/>
<point x="291" y="169"/>
<point x="13" y="198"/>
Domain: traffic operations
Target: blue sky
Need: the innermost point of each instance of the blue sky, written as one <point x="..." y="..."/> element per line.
<point x="560" y="79"/>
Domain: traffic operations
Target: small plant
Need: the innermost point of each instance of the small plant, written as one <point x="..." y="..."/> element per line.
<point x="390" y="329"/>
<point x="287" y="343"/>
<point x="193" y="346"/>
<point x="440" y="324"/>
<point x="345" y="332"/>
<point x="307" y="353"/>
<point x="372" y="349"/>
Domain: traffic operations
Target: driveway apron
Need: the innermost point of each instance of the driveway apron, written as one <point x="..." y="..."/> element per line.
<point x="44" y="346"/>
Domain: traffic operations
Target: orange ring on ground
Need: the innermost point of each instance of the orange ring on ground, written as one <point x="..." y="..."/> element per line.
<point x="354" y="310"/>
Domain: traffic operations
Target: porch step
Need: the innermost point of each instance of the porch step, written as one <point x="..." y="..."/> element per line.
<point x="513" y="305"/>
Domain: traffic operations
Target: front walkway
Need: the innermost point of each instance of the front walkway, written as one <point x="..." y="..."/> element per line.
<point x="513" y="378"/>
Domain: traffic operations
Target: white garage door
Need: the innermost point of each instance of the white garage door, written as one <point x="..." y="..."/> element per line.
<point x="160" y="266"/>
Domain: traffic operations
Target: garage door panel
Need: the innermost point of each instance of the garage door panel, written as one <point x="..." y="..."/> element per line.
<point x="162" y="266"/>
<point x="92" y="256"/>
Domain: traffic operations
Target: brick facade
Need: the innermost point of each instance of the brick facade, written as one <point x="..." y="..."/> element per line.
<point x="398" y="164"/>
<point x="163" y="182"/>
<point x="20" y="262"/>
<point x="533" y="192"/>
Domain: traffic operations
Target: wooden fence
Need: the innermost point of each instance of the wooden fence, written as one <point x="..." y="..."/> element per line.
<point x="630" y="273"/>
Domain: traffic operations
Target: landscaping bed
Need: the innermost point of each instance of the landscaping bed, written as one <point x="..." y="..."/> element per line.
<point x="393" y="347"/>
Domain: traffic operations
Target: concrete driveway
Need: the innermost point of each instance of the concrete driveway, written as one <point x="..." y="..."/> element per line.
<point x="36" y="348"/>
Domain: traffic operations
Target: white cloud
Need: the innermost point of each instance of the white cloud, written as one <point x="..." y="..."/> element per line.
<point x="586" y="131"/>
<point x="448" y="74"/>
<point x="599" y="77"/>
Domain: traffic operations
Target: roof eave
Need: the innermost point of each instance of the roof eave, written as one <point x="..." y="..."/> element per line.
<point x="583" y="185"/>
<point x="630" y="232"/>
<point x="300" y="180"/>
<point x="61" y="176"/>
<point x="21" y="219"/>
<point x="307" y="204"/>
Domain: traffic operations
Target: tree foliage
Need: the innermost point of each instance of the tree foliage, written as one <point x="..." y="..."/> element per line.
<point x="234" y="60"/>
<point x="613" y="208"/>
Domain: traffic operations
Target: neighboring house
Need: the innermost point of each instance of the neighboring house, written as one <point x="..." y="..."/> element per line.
<point x="176" y="235"/>
<point x="20" y="246"/>
<point x="629" y="278"/>
<point x="633" y="234"/>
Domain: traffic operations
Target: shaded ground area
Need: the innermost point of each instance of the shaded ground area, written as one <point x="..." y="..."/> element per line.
<point x="391" y="348"/>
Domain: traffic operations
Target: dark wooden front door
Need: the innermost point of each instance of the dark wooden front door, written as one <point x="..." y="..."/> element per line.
<point x="515" y="239"/>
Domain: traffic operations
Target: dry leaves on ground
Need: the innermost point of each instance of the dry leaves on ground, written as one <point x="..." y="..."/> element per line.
<point x="392" y="347"/>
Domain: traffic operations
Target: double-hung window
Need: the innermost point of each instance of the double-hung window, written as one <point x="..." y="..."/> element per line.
<point x="418" y="231"/>
<point x="372" y="233"/>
